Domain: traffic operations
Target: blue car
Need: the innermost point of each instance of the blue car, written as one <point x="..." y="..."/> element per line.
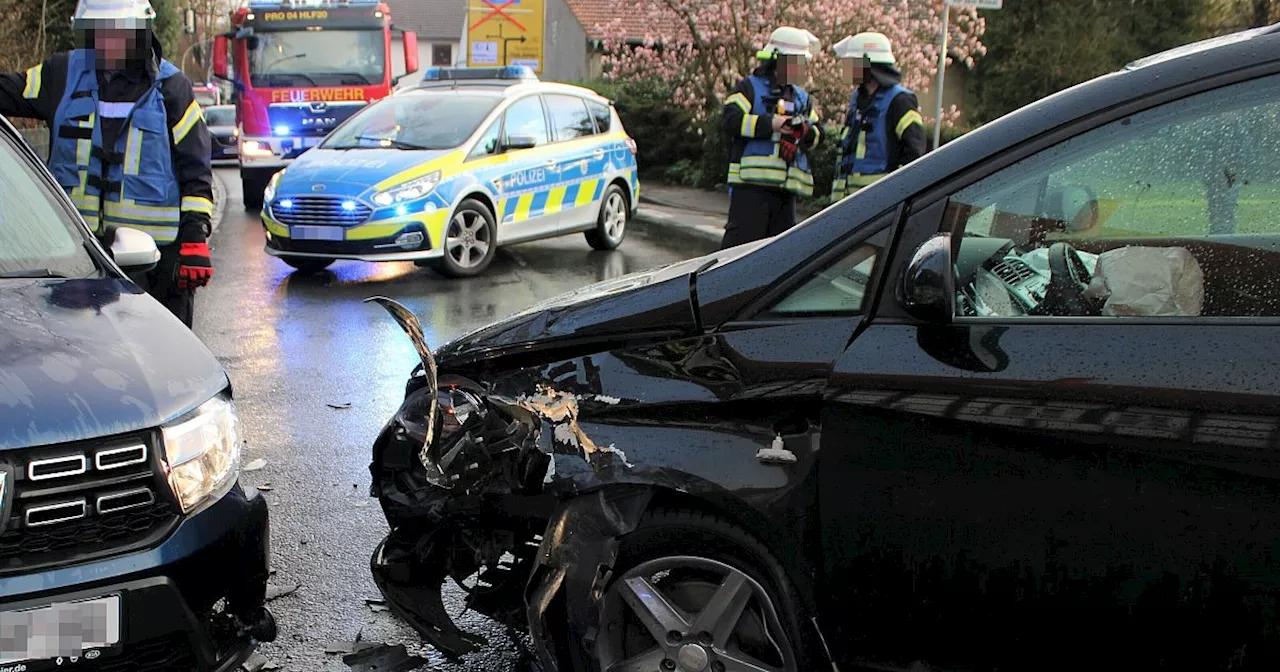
<point x="444" y="173"/>
<point x="126" y="539"/>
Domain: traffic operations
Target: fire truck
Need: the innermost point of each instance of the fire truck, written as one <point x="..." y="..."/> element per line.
<point x="299" y="68"/>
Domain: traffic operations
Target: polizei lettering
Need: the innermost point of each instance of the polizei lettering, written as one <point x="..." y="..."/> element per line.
<point x="527" y="178"/>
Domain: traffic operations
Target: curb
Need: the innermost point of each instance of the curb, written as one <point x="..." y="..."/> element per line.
<point x="676" y="206"/>
<point x="653" y="216"/>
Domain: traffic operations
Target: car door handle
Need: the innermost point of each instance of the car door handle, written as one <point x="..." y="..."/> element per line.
<point x="551" y="164"/>
<point x="599" y="153"/>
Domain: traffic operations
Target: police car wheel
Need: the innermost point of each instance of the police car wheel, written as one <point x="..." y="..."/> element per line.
<point x="307" y="264"/>
<point x="611" y="224"/>
<point x="470" y="241"/>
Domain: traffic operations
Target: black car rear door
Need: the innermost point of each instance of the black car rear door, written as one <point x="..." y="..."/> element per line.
<point x="1090" y="481"/>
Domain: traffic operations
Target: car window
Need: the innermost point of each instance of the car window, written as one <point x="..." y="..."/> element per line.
<point x="602" y="115"/>
<point x="1171" y="212"/>
<point x="839" y="289"/>
<point x="36" y="234"/>
<point x="416" y="120"/>
<point x="220" y="116"/>
<point x="570" y="117"/>
<point x="525" y="119"/>
<point x="487" y="145"/>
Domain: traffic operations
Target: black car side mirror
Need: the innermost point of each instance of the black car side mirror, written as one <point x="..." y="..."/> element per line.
<point x="519" y="142"/>
<point x="927" y="291"/>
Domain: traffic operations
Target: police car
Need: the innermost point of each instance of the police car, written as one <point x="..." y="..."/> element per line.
<point x="445" y="172"/>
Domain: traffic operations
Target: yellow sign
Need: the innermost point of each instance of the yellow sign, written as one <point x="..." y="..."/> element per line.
<point x="504" y="32"/>
<point x="316" y="95"/>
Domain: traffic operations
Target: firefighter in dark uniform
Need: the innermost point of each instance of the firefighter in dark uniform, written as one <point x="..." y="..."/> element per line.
<point x="883" y="129"/>
<point x="772" y="124"/>
<point x="128" y="141"/>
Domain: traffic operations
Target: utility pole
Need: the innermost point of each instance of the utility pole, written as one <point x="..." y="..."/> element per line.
<point x="942" y="73"/>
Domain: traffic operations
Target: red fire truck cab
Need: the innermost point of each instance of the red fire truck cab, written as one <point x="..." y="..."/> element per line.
<point x="299" y="68"/>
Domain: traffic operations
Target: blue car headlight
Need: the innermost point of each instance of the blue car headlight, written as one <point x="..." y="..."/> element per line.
<point x="408" y="191"/>
<point x="269" y="194"/>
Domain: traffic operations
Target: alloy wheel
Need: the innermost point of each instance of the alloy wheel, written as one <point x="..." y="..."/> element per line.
<point x="615" y="216"/>
<point x="467" y="241"/>
<point x="689" y="614"/>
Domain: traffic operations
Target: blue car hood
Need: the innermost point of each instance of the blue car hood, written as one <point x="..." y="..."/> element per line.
<point x="83" y="359"/>
<point x="349" y="172"/>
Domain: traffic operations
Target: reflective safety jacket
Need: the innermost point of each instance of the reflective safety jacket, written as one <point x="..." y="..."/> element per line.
<point x="142" y="163"/>
<point x="872" y="142"/>
<point x="753" y="154"/>
<point x="131" y="184"/>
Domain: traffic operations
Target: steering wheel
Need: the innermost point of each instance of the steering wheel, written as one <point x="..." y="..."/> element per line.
<point x="1068" y="278"/>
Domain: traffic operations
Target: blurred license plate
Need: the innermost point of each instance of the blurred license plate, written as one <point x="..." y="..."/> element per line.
<point x="67" y="630"/>
<point x="316" y="232"/>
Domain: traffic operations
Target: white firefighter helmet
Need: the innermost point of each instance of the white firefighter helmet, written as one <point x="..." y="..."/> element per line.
<point x="123" y="14"/>
<point x="788" y="41"/>
<point x="874" y="47"/>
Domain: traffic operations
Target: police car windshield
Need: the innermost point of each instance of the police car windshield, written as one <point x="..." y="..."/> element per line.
<point x="37" y="238"/>
<point x="221" y="115"/>
<point x="415" y="120"/>
<point x="319" y="58"/>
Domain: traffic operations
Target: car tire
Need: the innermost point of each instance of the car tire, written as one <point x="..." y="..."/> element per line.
<point x="611" y="223"/>
<point x="470" y="241"/>
<point x="308" y="265"/>
<point x="254" y="192"/>
<point x="685" y="552"/>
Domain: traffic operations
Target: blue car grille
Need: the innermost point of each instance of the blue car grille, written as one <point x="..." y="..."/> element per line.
<point x="79" y="501"/>
<point x="322" y="210"/>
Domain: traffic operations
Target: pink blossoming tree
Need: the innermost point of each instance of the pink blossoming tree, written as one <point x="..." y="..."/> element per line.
<point x="702" y="47"/>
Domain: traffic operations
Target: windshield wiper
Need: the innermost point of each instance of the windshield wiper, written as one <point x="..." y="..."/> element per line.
<point x="282" y="75"/>
<point x="391" y="142"/>
<point x="363" y="79"/>
<point x="33" y="273"/>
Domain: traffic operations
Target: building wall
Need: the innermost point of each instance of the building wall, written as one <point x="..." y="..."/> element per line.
<point x="424" y="57"/>
<point x="564" y="45"/>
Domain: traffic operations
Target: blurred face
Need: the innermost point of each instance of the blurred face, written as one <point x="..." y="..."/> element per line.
<point x="117" y="47"/>
<point x="852" y="71"/>
<point x="793" y="70"/>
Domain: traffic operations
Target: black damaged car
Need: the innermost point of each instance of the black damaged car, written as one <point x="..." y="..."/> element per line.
<point x="1014" y="406"/>
<point x="126" y="541"/>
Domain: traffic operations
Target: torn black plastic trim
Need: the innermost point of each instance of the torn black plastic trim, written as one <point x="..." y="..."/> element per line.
<point x="575" y="563"/>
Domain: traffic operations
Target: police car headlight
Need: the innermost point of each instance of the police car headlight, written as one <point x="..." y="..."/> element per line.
<point x="269" y="194"/>
<point x="253" y="148"/>
<point x="202" y="453"/>
<point x="409" y="191"/>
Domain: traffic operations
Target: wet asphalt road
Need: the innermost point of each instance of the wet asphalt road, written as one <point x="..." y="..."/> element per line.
<point x="295" y="344"/>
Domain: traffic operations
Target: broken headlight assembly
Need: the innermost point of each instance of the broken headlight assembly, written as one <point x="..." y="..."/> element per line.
<point x="202" y="453"/>
<point x="477" y="440"/>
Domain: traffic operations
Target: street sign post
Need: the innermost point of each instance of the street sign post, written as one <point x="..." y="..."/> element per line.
<point x="942" y="55"/>
<point x="505" y="32"/>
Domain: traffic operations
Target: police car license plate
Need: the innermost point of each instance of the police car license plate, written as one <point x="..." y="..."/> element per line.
<point x="316" y="232"/>
<point x="59" y="633"/>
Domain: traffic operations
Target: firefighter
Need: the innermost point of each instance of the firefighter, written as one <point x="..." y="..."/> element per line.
<point x="883" y="129"/>
<point x="772" y="124"/>
<point x="127" y="142"/>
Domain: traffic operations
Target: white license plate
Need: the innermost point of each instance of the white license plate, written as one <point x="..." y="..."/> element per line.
<point x="66" y="630"/>
<point x="316" y="232"/>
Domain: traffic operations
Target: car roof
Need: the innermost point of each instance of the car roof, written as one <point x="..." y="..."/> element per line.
<point x="502" y="88"/>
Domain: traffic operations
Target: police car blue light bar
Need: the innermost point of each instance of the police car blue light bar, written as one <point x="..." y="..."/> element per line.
<point x="511" y="72"/>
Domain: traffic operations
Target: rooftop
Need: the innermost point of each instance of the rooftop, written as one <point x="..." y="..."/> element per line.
<point x="594" y="15"/>
<point x="431" y="19"/>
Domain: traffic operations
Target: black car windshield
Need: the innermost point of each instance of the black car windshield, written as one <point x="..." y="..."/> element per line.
<point x="317" y="58"/>
<point x="222" y="115"/>
<point x="37" y="238"/>
<point x="417" y="120"/>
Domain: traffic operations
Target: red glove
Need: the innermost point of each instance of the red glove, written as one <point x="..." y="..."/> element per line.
<point x="794" y="133"/>
<point x="195" y="268"/>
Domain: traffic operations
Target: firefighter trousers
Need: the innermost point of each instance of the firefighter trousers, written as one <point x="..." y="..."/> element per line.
<point x="756" y="213"/>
